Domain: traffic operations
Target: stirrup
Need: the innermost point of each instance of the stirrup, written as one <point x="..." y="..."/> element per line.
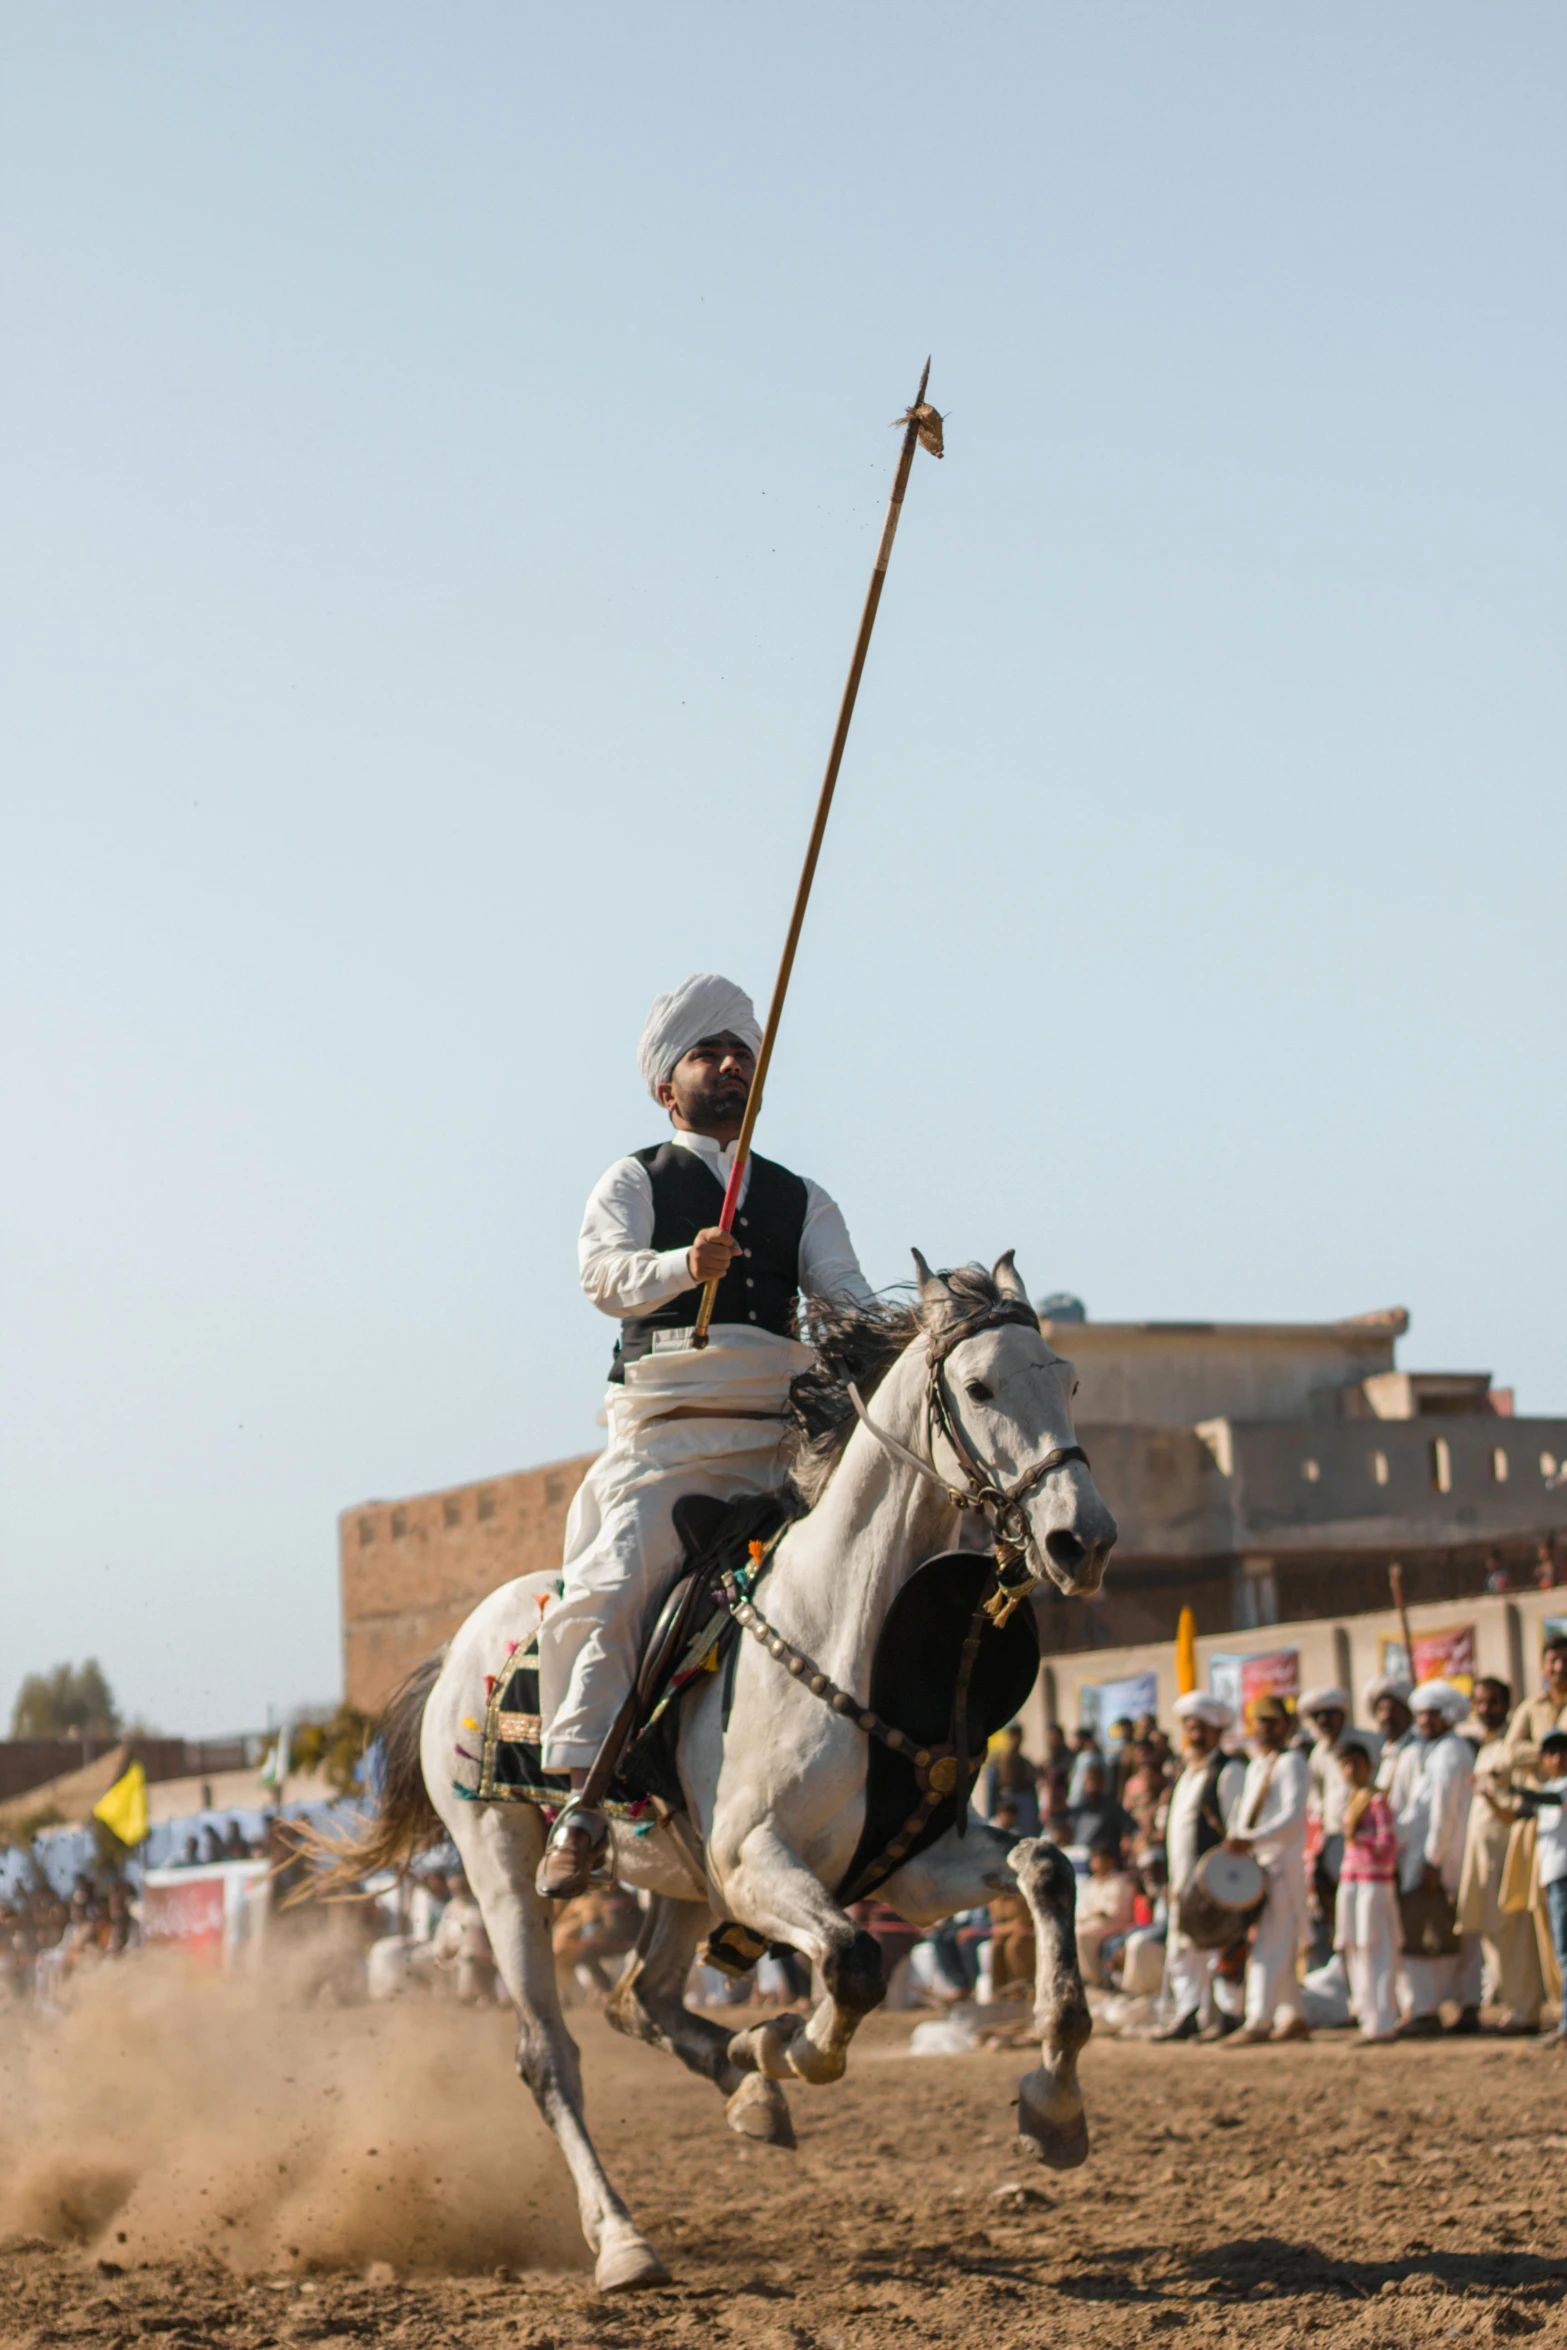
<point x="573" y="1873"/>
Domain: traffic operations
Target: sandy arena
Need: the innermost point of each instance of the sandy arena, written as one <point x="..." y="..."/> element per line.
<point x="191" y="2170"/>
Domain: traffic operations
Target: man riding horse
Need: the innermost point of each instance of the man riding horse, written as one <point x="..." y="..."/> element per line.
<point x="681" y="1420"/>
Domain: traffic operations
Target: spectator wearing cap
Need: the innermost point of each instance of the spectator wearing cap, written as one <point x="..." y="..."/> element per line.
<point x="1271" y="1825"/>
<point x="1324" y="1713"/>
<point x="1430" y="1795"/>
<point x="1535" y="1720"/>
<point x="1507" y="1936"/>
<point x="1387" y="1702"/>
<point x="1010" y="1778"/>
<point x="1203" y="1805"/>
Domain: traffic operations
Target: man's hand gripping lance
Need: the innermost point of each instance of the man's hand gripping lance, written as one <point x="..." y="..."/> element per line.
<point x="921" y="425"/>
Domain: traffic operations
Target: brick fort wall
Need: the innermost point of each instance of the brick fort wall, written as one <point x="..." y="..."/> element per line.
<point x="410" y="1571"/>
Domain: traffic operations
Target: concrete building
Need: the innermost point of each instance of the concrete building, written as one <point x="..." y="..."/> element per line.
<point x="1271" y="1472"/>
<point x="1262" y="1473"/>
<point x="410" y="1571"/>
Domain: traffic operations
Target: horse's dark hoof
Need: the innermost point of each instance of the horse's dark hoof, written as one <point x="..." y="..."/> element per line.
<point x="1052" y="2125"/>
<point x="760" y="2110"/>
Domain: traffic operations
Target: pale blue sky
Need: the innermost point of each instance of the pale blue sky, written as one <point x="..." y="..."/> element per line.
<point x="443" y="452"/>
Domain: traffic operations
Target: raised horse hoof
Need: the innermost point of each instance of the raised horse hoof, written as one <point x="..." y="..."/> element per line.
<point x="760" y="2110"/>
<point x="626" y="2263"/>
<point x="764" y="2048"/>
<point x="1058" y="2138"/>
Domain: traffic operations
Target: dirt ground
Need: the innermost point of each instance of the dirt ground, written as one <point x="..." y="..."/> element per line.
<point x="1394" y="2196"/>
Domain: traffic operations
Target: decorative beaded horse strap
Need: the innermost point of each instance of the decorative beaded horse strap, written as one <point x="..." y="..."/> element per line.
<point x="937" y="1766"/>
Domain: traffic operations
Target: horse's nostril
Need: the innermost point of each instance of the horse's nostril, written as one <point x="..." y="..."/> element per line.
<point x="1065" y="1550"/>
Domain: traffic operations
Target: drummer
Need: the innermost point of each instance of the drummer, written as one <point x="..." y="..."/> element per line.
<point x="1271" y="1825"/>
<point x="1204" y="1999"/>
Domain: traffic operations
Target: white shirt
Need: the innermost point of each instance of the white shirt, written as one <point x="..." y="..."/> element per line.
<point x="623" y="1274"/>
<point x="1277" y="1823"/>
<point x="1433" y="1780"/>
<point x="1551" y="1833"/>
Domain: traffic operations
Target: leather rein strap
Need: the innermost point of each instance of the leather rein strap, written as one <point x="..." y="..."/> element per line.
<point x="1001" y="1504"/>
<point x="945" y="1769"/>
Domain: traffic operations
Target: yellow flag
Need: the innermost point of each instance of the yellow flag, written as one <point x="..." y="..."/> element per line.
<point x="1186" y="1653"/>
<point x="124" y="1808"/>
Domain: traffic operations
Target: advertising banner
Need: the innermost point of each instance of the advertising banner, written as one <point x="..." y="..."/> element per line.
<point x="1439" y="1656"/>
<point x="206" y="1911"/>
<point x="1238" y="1681"/>
<point x="1102" y="1702"/>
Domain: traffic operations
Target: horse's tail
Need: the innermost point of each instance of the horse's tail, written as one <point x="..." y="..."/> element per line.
<point x="403" y="1823"/>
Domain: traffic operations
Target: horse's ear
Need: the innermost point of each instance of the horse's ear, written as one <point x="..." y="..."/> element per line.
<point x="937" y="1303"/>
<point x="1008" y="1279"/>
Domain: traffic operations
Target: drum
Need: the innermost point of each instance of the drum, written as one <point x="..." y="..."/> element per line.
<point x="1222" y="1898"/>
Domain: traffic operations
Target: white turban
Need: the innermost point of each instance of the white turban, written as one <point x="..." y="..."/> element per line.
<point x="1197" y="1706"/>
<point x="1324" y="1701"/>
<point x="1386" y="1685"/>
<point x="1438" y="1697"/>
<point x="703" y="1005"/>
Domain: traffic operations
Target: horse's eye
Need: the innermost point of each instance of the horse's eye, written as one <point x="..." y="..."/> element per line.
<point x="978" y="1390"/>
<point x="1074" y="1387"/>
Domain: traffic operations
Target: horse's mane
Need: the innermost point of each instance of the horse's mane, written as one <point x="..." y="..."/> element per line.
<point x="859" y="1344"/>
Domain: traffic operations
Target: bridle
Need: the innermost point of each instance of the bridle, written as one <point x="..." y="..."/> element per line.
<point x="941" y="1769"/>
<point x="1001" y="1505"/>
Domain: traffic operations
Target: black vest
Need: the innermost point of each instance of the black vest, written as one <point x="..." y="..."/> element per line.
<point x="762" y="1285"/>
<point x="1210" y="1820"/>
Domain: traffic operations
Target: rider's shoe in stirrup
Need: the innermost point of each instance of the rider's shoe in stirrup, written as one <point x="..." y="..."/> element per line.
<point x="575" y="1844"/>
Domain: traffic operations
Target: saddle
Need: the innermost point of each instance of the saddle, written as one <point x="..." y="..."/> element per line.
<point x="693" y="1634"/>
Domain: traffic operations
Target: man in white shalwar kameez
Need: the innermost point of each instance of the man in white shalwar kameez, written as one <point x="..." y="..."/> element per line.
<point x="1203" y="1804"/>
<point x="681" y="1420"/>
<point x="1432" y="1785"/>
<point x="1271" y="1825"/>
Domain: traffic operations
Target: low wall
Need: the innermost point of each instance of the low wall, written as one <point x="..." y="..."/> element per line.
<point x="1508" y="1634"/>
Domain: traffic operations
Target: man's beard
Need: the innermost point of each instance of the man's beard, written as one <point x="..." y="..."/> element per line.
<point x="719" y="1104"/>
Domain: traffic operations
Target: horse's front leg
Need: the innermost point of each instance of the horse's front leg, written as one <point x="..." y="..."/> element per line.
<point x="770" y="1887"/>
<point x="963" y="1872"/>
<point x="649" y="2004"/>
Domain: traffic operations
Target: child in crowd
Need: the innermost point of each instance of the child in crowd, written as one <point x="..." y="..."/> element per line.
<point x="1548" y="1801"/>
<point x="1365" y="1925"/>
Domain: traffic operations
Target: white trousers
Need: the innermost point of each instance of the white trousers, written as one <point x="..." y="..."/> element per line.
<point x="1428" y="1981"/>
<point x="1272" y="1979"/>
<point x="623" y="1554"/>
<point x="1366" y="1933"/>
<point x="1191" y="1981"/>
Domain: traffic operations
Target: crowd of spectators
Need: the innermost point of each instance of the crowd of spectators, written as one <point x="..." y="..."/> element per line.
<point x="1410" y="1871"/>
<point x="44" y="1936"/>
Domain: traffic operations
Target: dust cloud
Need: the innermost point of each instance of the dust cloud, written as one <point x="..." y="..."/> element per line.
<point x="168" y="2114"/>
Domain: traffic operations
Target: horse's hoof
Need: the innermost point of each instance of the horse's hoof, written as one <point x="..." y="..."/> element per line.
<point x="764" y="2048"/>
<point x="819" y="2066"/>
<point x="1060" y="2139"/>
<point x="759" y="2109"/>
<point x="627" y="2263"/>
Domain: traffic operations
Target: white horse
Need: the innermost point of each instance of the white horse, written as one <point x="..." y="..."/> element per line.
<point x="974" y="1414"/>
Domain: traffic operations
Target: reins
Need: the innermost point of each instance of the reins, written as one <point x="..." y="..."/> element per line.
<point x="1001" y="1504"/>
<point x="943" y="1769"/>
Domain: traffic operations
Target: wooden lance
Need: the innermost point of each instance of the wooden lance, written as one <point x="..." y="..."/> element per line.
<point x="922" y="426"/>
<point x="1395" y="1576"/>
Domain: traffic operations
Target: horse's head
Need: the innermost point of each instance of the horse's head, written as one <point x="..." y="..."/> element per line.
<point x="1007" y="1400"/>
